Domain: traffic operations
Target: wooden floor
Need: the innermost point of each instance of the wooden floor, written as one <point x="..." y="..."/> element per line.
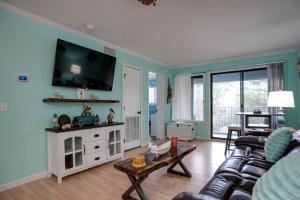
<point x="106" y="183"/>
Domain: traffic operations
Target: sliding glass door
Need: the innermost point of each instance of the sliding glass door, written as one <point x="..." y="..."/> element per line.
<point x="233" y="92"/>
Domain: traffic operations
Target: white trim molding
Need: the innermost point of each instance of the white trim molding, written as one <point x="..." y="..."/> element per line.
<point x="236" y="58"/>
<point x="24" y="13"/>
<point x="34" y="177"/>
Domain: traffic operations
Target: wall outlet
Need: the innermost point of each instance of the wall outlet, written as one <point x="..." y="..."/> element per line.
<point x="3" y="107"/>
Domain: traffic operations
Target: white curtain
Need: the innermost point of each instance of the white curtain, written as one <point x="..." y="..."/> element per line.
<point x="181" y="104"/>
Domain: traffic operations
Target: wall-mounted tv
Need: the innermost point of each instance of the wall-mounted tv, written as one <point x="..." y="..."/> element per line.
<point x="80" y="67"/>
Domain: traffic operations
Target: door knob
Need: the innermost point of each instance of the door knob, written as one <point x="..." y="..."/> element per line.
<point x="139" y="112"/>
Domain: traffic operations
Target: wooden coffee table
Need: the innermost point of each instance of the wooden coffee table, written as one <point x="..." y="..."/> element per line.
<point x="153" y="163"/>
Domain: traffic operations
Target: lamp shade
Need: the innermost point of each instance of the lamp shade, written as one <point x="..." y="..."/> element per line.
<point x="282" y="99"/>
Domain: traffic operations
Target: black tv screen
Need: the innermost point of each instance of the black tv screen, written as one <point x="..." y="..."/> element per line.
<point x="80" y="67"/>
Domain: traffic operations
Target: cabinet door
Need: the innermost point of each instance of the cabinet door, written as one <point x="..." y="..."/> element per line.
<point x="115" y="142"/>
<point x="73" y="152"/>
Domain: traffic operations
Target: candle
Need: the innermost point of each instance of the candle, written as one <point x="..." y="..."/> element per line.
<point x="174" y="142"/>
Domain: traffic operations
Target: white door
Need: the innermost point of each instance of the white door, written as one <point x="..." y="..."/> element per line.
<point x="160" y="121"/>
<point x="132" y="106"/>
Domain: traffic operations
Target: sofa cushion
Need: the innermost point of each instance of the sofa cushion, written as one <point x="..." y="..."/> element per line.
<point x="241" y="151"/>
<point x="294" y="144"/>
<point x="217" y="187"/>
<point x="277" y="143"/>
<point x="251" y="141"/>
<point x="248" y="152"/>
<point x="192" y="196"/>
<point x="247" y="168"/>
<point x="282" y="181"/>
<point x="228" y="186"/>
<point x="240" y="195"/>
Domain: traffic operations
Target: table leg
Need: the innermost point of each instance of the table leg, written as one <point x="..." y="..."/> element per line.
<point x="185" y="172"/>
<point x="242" y="125"/>
<point x="136" y="185"/>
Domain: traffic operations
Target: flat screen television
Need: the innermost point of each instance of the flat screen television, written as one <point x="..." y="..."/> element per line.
<point x="80" y="67"/>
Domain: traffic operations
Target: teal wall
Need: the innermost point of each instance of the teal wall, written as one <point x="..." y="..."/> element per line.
<point x="152" y="109"/>
<point x="28" y="47"/>
<point x="291" y="83"/>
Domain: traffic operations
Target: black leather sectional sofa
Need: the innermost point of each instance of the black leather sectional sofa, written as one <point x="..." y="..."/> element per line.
<point x="236" y="177"/>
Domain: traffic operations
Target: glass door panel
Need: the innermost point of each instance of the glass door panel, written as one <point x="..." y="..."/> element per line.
<point x="78" y="143"/>
<point x="78" y="159"/>
<point x="255" y="88"/>
<point x="68" y="143"/>
<point x="68" y="161"/>
<point x="226" y="101"/>
<point x="111" y="149"/>
<point x="118" y="136"/>
<point x="111" y="136"/>
<point x="118" y="148"/>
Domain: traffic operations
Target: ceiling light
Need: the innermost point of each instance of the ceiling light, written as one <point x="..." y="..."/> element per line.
<point x="148" y="2"/>
<point x="90" y="27"/>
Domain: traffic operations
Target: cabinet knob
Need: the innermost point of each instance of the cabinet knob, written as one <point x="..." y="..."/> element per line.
<point x="96" y="135"/>
<point x="97" y="147"/>
<point x="97" y="158"/>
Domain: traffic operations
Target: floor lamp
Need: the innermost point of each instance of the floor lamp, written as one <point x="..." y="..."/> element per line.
<point x="281" y="99"/>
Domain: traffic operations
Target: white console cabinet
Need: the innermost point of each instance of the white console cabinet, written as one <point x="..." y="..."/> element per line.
<point x="72" y="151"/>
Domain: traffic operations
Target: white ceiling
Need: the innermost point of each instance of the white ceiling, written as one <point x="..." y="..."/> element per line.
<point x="181" y="32"/>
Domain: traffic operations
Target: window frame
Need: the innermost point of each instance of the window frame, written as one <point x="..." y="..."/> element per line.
<point x="194" y="76"/>
<point x="241" y="70"/>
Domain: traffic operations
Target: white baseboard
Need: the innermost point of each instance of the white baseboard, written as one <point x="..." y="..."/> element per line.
<point x="202" y="138"/>
<point x="22" y="181"/>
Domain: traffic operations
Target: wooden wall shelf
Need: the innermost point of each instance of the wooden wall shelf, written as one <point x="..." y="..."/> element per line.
<point x="59" y="130"/>
<point x="58" y="100"/>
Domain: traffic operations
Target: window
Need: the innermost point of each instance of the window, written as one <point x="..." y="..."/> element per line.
<point x="197" y="98"/>
<point x="152" y="95"/>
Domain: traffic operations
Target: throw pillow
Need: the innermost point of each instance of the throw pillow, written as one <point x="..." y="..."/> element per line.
<point x="277" y="143"/>
<point x="281" y="182"/>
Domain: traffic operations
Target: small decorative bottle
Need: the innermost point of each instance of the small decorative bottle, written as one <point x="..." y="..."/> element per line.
<point x="55" y="121"/>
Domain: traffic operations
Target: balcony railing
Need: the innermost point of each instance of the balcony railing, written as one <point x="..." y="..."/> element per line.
<point x="224" y="116"/>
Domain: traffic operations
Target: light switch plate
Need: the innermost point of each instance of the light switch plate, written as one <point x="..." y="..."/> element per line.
<point x="3" y="107"/>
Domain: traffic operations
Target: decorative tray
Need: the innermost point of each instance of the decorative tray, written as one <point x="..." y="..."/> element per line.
<point x="161" y="149"/>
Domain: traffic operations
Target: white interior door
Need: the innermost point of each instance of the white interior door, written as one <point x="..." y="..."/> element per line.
<point x="160" y="120"/>
<point x="132" y="106"/>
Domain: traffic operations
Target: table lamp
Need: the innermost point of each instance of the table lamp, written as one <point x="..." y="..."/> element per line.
<point x="281" y="99"/>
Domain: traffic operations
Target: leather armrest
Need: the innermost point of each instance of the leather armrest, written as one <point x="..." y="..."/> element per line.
<point x="255" y="142"/>
<point x="193" y="196"/>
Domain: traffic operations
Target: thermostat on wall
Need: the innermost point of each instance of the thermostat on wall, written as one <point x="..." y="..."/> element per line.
<point x="22" y="78"/>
